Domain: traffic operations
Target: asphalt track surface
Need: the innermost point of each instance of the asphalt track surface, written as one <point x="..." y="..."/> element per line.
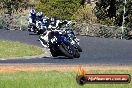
<point x="95" y="50"/>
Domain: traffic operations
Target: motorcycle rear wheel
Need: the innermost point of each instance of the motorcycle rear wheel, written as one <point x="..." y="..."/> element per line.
<point x="40" y="32"/>
<point x="53" y="53"/>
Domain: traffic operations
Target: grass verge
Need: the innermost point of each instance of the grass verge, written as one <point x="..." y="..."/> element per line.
<point x="16" y="49"/>
<point x="54" y="79"/>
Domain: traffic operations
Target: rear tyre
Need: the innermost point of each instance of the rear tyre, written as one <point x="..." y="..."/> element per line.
<point x="67" y="50"/>
<point x="29" y="29"/>
<point x="53" y="53"/>
<point x="34" y="30"/>
<point x="40" y="32"/>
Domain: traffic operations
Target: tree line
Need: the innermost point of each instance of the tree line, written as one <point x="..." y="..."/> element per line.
<point x="108" y="12"/>
<point x="112" y="11"/>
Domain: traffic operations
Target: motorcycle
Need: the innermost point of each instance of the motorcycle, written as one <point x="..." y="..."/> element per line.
<point x="59" y="45"/>
<point x="74" y="41"/>
<point x="36" y="28"/>
<point x="67" y="27"/>
<point x="32" y="27"/>
<point x="40" y="27"/>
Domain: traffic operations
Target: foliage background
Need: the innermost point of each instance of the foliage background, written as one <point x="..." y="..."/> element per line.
<point x="110" y="12"/>
<point x="104" y="12"/>
<point x="107" y="12"/>
<point x="63" y="9"/>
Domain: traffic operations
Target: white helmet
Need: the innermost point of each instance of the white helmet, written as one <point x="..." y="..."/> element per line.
<point x="33" y="12"/>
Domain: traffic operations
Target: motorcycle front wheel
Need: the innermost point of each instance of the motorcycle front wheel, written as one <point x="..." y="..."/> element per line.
<point x="67" y="50"/>
<point x="77" y="54"/>
<point x="79" y="48"/>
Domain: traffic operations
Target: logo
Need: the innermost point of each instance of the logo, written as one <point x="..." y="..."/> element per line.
<point x="83" y="78"/>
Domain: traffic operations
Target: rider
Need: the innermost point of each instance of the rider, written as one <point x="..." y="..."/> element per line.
<point x="43" y="19"/>
<point x="40" y="16"/>
<point x="32" y="20"/>
<point x="46" y="36"/>
<point x="53" y="21"/>
<point x="67" y="28"/>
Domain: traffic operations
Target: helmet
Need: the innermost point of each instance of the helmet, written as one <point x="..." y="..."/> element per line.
<point x="39" y="14"/>
<point x="53" y="19"/>
<point x="33" y="12"/>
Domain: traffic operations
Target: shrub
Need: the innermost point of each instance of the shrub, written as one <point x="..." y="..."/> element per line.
<point x="63" y="9"/>
<point x="3" y="23"/>
<point x="85" y="14"/>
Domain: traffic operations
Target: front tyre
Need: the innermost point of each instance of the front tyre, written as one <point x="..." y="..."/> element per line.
<point x="79" y="48"/>
<point x="77" y="54"/>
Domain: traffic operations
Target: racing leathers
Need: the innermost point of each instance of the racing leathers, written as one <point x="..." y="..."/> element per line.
<point x="32" y="22"/>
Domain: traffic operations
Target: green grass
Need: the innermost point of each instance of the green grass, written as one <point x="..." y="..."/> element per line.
<point x="16" y="49"/>
<point x="53" y="79"/>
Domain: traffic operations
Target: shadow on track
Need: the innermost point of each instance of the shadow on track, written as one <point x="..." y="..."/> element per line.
<point x="33" y="34"/>
<point x="42" y="60"/>
<point x="59" y="57"/>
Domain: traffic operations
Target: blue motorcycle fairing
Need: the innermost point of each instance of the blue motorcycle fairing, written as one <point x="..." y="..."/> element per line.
<point x="71" y="33"/>
<point x="63" y="39"/>
<point x="60" y="39"/>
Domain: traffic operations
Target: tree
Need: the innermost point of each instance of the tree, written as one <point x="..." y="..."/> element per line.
<point x="112" y="11"/>
<point x="128" y="14"/>
<point x="11" y="6"/>
<point x="85" y="14"/>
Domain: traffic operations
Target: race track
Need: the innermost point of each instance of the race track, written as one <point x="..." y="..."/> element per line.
<point x="95" y="50"/>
